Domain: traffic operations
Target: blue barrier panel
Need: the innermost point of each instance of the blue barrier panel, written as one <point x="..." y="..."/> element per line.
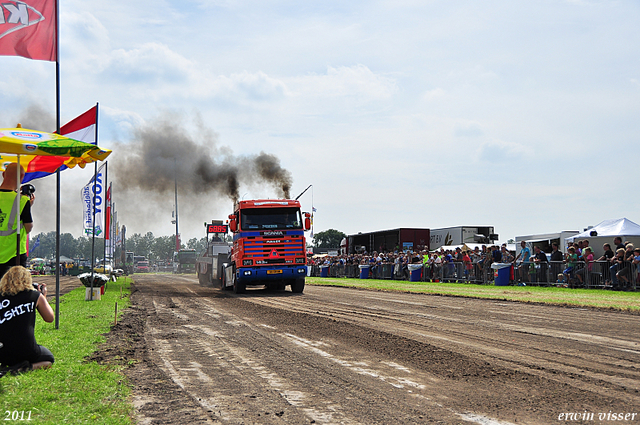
<point x="324" y="271"/>
<point x="364" y="271"/>
<point x="415" y="272"/>
<point x="502" y="273"/>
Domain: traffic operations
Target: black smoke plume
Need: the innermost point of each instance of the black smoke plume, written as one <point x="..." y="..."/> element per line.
<point x="163" y="149"/>
<point x="142" y="170"/>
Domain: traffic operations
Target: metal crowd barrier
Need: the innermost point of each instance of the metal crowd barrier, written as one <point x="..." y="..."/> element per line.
<point x="596" y="275"/>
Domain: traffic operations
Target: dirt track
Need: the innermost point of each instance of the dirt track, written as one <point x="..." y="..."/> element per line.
<point x="346" y="356"/>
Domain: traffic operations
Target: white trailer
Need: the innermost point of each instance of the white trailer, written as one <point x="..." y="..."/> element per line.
<point x="461" y="234"/>
<point x="545" y="240"/>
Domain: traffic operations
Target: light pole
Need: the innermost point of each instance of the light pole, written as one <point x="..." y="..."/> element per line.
<point x="175" y="173"/>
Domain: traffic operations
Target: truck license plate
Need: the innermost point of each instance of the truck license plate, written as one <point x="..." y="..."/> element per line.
<point x="274" y="271"/>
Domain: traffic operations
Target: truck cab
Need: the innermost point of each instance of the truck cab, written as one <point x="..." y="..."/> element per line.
<point x="269" y="245"/>
<point x="184" y="261"/>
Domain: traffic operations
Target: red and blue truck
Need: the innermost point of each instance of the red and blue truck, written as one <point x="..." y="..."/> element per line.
<point x="269" y="246"/>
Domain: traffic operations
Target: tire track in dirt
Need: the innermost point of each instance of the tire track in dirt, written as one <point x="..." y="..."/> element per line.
<point x="596" y="363"/>
<point x="351" y="356"/>
<point x="267" y="381"/>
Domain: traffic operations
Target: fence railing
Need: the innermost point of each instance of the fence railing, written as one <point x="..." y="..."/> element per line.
<point x="594" y="275"/>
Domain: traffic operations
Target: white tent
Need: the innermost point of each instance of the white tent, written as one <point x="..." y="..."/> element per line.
<point x="610" y="228"/>
<point x="606" y="231"/>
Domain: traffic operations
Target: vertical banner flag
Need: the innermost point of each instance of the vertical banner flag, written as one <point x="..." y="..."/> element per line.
<point x="28" y="29"/>
<point x="87" y="204"/>
<point x="107" y="224"/>
<point x="36" y="243"/>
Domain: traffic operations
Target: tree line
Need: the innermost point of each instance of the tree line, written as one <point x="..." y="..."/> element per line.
<point x="154" y="248"/>
<point x="159" y="248"/>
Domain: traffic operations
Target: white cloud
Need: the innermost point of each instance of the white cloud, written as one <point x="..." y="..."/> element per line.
<point x="501" y="151"/>
<point x="356" y="81"/>
<point x="368" y="101"/>
<point x="434" y="94"/>
<point x="150" y="64"/>
<point x="249" y="86"/>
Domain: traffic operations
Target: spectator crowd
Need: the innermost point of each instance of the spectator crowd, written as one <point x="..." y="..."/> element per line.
<point x="577" y="267"/>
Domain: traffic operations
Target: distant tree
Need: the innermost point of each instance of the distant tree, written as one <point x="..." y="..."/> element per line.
<point x="198" y="244"/>
<point x="328" y="239"/>
<point x="47" y="246"/>
<point x="146" y="244"/>
<point x="163" y="247"/>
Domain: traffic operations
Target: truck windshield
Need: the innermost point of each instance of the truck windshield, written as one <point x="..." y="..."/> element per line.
<point x="270" y="218"/>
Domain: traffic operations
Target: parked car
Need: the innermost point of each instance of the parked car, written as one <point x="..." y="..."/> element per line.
<point x="142" y="267"/>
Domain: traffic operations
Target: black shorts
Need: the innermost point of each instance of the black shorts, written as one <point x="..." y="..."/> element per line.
<point x="45" y="355"/>
<point x="41" y="354"/>
<point x="4" y="267"/>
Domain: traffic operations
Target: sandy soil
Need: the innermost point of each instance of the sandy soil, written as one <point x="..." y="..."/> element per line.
<point x="335" y="355"/>
<point x="67" y="284"/>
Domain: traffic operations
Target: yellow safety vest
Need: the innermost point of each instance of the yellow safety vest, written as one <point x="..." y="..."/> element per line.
<point x="9" y="224"/>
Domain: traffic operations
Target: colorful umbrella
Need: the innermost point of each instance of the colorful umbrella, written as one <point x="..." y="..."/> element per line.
<point x="32" y="143"/>
<point x="29" y="146"/>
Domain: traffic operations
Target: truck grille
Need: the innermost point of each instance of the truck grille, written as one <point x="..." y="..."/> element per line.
<point x="273" y="251"/>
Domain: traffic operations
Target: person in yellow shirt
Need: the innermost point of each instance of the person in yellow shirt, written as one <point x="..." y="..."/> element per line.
<point x="8" y="219"/>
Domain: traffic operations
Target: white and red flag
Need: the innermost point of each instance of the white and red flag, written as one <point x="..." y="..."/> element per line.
<point x="83" y="127"/>
<point x="28" y="29"/>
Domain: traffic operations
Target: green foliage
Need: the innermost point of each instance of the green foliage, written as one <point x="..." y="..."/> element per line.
<point x="73" y="390"/>
<point x="154" y="248"/>
<point x="198" y="244"/>
<point x="328" y="239"/>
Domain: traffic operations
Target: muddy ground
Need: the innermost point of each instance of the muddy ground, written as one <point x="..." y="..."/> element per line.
<point x="345" y="356"/>
<point x="67" y="284"/>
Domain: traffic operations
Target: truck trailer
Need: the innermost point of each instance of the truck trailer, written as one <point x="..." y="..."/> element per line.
<point x="211" y="262"/>
<point x="460" y="235"/>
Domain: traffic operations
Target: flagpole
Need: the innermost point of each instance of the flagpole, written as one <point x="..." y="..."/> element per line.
<point x="16" y="204"/>
<point x="57" y="318"/>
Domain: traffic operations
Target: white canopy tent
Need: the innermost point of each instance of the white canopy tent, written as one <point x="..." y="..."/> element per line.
<point x="605" y="231"/>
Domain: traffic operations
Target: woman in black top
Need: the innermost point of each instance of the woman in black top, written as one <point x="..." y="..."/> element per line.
<point x="19" y="301"/>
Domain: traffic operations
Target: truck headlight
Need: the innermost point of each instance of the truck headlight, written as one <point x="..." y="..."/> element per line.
<point x="247" y="272"/>
<point x="302" y="271"/>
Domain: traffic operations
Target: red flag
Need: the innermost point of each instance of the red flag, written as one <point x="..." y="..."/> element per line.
<point x="107" y="217"/>
<point x="83" y="127"/>
<point x="28" y="29"/>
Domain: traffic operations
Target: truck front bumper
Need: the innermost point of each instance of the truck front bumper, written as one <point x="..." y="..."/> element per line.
<point x="257" y="274"/>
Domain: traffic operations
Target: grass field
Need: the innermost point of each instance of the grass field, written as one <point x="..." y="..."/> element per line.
<point x="74" y="390"/>
<point x="627" y="301"/>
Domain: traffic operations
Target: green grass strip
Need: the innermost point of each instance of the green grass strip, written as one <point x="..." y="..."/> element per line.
<point x="73" y="390"/>
<point x="625" y="301"/>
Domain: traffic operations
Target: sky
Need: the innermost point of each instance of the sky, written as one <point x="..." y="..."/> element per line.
<point x="519" y="115"/>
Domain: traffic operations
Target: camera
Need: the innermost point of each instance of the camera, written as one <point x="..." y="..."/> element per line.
<point x="28" y="190"/>
<point x="37" y="287"/>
